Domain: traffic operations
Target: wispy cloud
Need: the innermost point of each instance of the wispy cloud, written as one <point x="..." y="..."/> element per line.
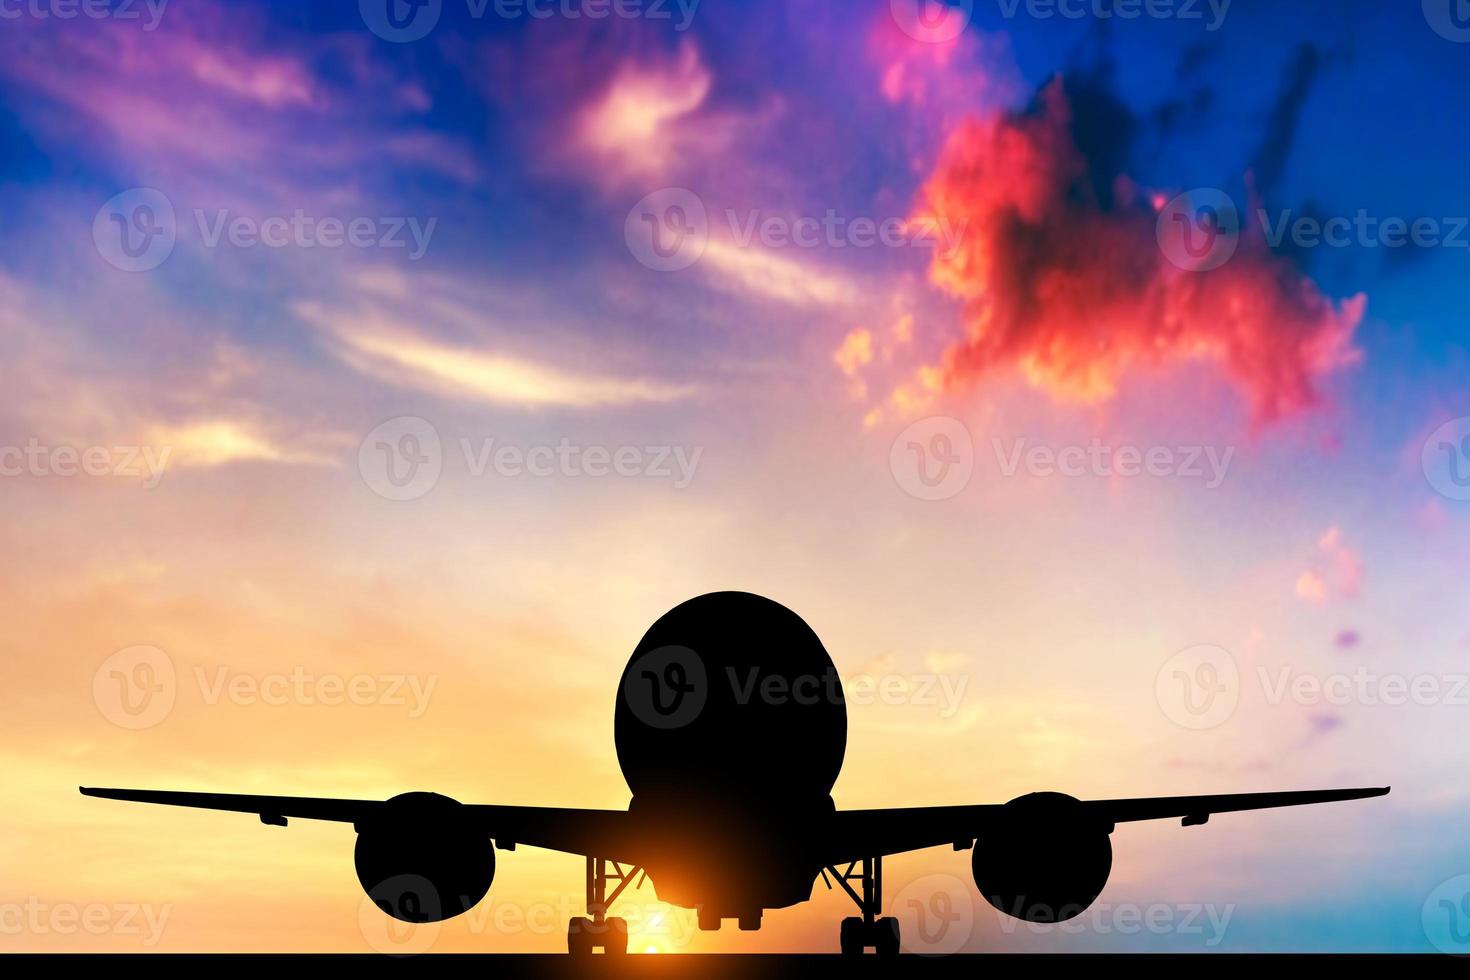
<point x="377" y="344"/>
<point x="220" y="441"/>
<point x="772" y="276"/>
<point x="213" y="95"/>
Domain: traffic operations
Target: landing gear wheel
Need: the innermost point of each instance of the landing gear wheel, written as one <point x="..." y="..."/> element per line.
<point x="885" y="937"/>
<point x="860" y="932"/>
<point x="615" y="937"/>
<point x="579" y="936"/>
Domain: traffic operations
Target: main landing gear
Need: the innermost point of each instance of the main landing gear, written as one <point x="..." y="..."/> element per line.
<point x="868" y="930"/>
<point x="598" y="929"/>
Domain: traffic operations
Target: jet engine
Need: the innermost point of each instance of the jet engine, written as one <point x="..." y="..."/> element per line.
<point x="1043" y="859"/>
<point x="424" y="860"/>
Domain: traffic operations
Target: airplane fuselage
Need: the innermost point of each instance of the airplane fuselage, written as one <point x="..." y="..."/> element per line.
<point x="730" y="729"/>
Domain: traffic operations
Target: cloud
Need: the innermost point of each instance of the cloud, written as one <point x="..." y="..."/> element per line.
<point x="205" y="402"/>
<point x="855" y="351"/>
<point x="622" y="111"/>
<point x="1336" y="572"/>
<point x="947" y="663"/>
<point x="1060" y="275"/>
<point x="214" y="94"/>
<point x="221" y="441"/>
<point x="1309" y="586"/>
<point x="1073" y="292"/>
<point x="641" y="125"/>
<point x="376" y="343"/>
<point x="1301" y="76"/>
<point x="765" y="273"/>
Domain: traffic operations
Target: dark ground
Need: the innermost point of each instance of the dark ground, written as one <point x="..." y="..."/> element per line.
<point x="763" y="967"/>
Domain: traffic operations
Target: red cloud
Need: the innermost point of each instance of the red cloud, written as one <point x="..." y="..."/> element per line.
<point x="1074" y="291"/>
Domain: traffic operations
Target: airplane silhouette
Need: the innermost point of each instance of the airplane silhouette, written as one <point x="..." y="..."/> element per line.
<point x="730" y="728"/>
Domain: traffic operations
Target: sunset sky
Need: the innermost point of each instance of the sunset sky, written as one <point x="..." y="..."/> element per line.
<point x="885" y="316"/>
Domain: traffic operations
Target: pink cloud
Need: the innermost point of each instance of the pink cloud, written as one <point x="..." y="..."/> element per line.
<point x="640" y="125"/>
<point x="622" y="112"/>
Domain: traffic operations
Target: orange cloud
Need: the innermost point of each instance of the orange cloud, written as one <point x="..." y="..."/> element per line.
<point x="1338" y="571"/>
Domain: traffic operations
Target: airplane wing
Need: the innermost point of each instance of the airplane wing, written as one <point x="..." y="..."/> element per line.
<point x="599" y="833"/>
<point x="851" y="835"/>
<point x="868" y="833"/>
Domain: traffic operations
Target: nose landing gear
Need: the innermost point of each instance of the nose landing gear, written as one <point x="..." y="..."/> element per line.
<point x="868" y="930"/>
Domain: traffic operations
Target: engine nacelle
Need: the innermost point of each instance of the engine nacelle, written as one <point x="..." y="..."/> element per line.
<point x="1043" y="860"/>
<point x="423" y="860"/>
